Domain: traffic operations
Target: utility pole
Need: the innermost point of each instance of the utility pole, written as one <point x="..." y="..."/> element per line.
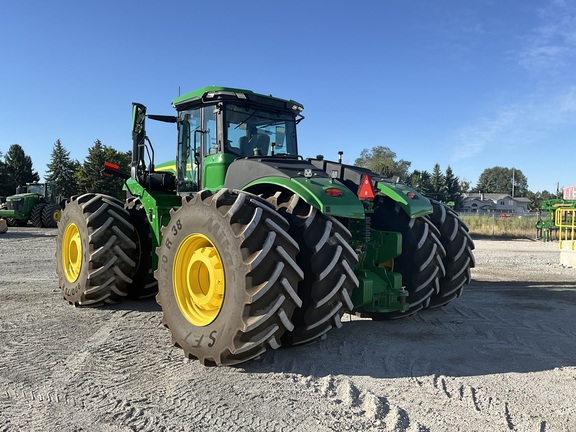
<point x="512" y="182"/>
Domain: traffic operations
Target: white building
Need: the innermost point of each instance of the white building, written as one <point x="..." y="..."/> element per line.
<point x="500" y="203"/>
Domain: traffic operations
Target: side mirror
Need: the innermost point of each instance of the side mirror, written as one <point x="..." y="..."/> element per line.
<point x="138" y="118"/>
<point x="138" y="139"/>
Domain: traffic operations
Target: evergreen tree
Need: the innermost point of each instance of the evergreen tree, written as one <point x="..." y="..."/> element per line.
<point x="420" y="181"/>
<point x="438" y="184"/>
<point x="18" y="169"/>
<point x="61" y="171"/>
<point x="453" y="188"/>
<point x="3" y="177"/>
<point x="383" y="161"/>
<point x="89" y="174"/>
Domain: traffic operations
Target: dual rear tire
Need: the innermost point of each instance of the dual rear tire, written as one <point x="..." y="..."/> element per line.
<point x="459" y="258"/>
<point x="421" y="262"/>
<point x="237" y="275"/>
<point x="45" y="215"/>
<point x="328" y="262"/>
<point x="436" y="255"/>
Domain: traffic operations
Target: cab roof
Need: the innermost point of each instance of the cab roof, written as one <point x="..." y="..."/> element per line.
<point x="205" y="95"/>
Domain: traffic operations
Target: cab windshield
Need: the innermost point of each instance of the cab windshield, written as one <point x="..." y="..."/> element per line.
<point x="252" y="132"/>
<point x="36" y="189"/>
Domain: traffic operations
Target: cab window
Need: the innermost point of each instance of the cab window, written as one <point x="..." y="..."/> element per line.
<point x="254" y="132"/>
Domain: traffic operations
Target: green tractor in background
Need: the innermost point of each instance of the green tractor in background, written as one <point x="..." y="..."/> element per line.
<point x="37" y="203"/>
<point x="248" y="246"/>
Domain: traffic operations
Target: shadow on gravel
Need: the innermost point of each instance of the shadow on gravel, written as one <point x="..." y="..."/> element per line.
<point x="495" y="328"/>
<point x="39" y="232"/>
<point x="504" y="238"/>
<point x="145" y="305"/>
<point x="530" y="290"/>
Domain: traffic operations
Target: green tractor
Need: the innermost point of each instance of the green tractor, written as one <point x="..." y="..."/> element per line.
<point x="248" y="246"/>
<point x="37" y="203"/>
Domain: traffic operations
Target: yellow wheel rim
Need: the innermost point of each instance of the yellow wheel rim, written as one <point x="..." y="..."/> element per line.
<point x="198" y="280"/>
<point x="71" y="252"/>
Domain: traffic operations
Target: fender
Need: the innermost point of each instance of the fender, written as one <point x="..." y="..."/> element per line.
<point x="314" y="192"/>
<point x="413" y="203"/>
<point x="259" y="174"/>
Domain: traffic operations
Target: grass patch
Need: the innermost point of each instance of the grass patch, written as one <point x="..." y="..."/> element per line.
<point x="510" y="227"/>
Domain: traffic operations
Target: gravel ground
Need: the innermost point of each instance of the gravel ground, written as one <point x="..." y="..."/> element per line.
<point x="502" y="357"/>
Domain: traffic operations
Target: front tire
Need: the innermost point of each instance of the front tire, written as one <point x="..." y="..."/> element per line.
<point x="96" y="243"/>
<point x="227" y="277"/>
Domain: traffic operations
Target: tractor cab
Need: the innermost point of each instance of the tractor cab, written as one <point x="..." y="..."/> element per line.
<point x="45" y="190"/>
<point x="217" y="125"/>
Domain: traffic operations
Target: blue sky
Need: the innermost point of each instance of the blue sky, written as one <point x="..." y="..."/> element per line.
<point x="471" y="84"/>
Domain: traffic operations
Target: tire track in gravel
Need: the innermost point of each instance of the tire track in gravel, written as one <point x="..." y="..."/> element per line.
<point x="92" y="381"/>
<point x="477" y="364"/>
<point x="343" y="399"/>
<point x="379" y="409"/>
<point x="70" y="385"/>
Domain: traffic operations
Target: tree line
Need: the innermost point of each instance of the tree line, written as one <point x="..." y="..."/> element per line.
<point x="72" y="177"/>
<point x="446" y="186"/>
<point x="69" y="176"/>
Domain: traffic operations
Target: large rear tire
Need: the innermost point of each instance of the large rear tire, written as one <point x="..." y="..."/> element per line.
<point x="36" y="215"/>
<point x="144" y="285"/>
<point x="227" y="277"/>
<point x="459" y="258"/>
<point x="327" y="260"/>
<point x="95" y="250"/>
<point x="420" y="263"/>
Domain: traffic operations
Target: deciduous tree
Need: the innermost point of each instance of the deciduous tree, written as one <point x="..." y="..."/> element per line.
<point x="383" y="161"/>
<point x="499" y="180"/>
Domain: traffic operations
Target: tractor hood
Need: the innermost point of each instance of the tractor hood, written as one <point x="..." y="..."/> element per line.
<point x="258" y="174"/>
<point x="245" y="170"/>
<point x="21" y="196"/>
